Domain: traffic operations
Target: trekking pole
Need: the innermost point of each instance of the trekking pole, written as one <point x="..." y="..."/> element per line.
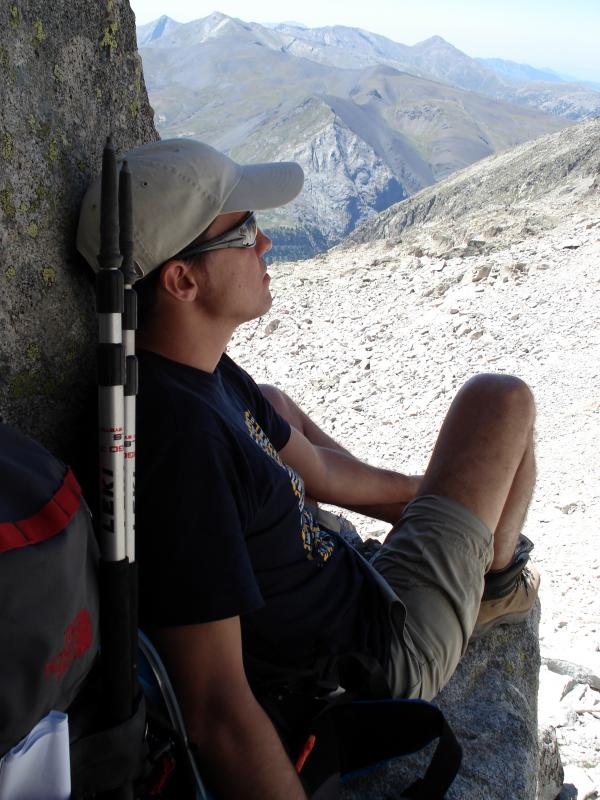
<point x="130" y="394"/>
<point x="115" y="593"/>
<point x="131" y="367"/>
<point x="111" y="366"/>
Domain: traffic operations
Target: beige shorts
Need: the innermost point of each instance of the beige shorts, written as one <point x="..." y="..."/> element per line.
<point x="434" y="561"/>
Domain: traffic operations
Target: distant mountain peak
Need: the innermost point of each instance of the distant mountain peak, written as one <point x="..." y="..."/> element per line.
<point x="216" y="19"/>
<point x="435" y="40"/>
<point x="152" y="31"/>
<point x="290" y="23"/>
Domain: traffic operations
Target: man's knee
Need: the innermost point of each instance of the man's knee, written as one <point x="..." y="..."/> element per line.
<point x="506" y="395"/>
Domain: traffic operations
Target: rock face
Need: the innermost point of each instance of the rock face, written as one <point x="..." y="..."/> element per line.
<point x="491" y="704"/>
<point x="69" y="75"/>
<point x="343" y="172"/>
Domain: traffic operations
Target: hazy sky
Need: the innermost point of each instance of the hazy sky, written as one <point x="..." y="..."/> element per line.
<point x="561" y="34"/>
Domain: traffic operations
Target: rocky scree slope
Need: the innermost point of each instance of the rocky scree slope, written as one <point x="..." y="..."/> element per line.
<point x="374" y="339"/>
<point x="480" y="208"/>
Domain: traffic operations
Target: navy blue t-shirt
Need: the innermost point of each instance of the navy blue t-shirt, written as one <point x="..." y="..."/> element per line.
<point x="222" y="529"/>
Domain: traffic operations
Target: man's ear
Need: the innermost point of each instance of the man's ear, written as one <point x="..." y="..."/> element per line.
<point x="179" y="279"/>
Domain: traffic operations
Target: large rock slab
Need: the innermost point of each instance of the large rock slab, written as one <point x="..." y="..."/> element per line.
<point x="69" y="75"/>
<point x="491" y="704"/>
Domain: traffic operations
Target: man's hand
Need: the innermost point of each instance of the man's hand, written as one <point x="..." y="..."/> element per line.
<point x="389" y="512"/>
<point x="238" y="746"/>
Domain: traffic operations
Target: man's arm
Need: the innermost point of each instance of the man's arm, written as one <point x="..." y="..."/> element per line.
<point x="388" y="511"/>
<point x="334" y="476"/>
<point x="236" y="741"/>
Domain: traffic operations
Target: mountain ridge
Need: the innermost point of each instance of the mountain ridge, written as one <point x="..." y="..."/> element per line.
<point x="367" y="136"/>
<point x="433" y="58"/>
<point x="555" y="170"/>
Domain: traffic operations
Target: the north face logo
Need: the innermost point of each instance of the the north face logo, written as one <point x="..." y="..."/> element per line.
<point x="78" y="638"/>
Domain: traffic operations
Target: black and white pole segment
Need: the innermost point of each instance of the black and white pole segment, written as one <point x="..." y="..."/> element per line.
<point x="111" y="367"/>
<point x="115" y="579"/>
<point x="131" y="367"/>
<point x="130" y="394"/>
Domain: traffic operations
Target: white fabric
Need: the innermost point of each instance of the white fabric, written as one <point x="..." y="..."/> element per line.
<point x="179" y="186"/>
<point x="38" y="767"/>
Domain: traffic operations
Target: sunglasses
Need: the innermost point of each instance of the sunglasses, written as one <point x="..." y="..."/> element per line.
<point x="243" y="235"/>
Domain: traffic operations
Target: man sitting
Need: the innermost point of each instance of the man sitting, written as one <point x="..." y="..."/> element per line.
<point x="235" y="561"/>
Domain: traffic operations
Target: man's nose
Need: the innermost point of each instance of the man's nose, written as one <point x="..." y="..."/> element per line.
<point x="263" y="243"/>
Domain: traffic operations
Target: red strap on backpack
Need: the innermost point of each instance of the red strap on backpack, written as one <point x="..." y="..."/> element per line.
<point x="48" y="521"/>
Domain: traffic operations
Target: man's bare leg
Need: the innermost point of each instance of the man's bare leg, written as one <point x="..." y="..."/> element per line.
<point x="483" y="457"/>
<point x="516" y="507"/>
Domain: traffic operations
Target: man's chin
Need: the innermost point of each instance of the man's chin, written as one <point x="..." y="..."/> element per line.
<point x="261" y="311"/>
<point x="268" y="302"/>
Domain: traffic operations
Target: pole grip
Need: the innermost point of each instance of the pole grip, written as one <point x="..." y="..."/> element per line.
<point x="109" y="256"/>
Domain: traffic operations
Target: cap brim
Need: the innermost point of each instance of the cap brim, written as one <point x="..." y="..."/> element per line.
<point x="263" y="186"/>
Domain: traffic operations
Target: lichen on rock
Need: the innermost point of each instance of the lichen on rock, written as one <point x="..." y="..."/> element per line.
<point x="62" y="96"/>
<point x="38" y="32"/>
<point x="14" y="16"/>
<point x="7" y="146"/>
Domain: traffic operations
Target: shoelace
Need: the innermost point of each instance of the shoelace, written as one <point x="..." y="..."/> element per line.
<point x="524" y="578"/>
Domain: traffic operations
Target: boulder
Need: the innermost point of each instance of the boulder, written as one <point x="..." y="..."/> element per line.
<point x="551" y="772"/>
<point x="491" y="704"/>
<point x="69" y="74"/>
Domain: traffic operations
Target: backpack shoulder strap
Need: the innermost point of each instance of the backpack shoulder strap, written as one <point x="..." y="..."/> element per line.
<point x="349" y="739"/>
<point x="369" y="732"/>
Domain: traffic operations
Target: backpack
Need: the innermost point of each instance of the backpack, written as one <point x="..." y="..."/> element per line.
<point x="49" y="618"/>
<point x="329" y="735"/>
<point x="48" y="587"/>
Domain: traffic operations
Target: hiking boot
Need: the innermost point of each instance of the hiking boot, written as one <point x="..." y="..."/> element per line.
<point x="512" y="607"/>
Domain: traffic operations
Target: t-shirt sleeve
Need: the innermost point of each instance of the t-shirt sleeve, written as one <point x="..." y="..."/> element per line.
<point x="273" y="424"/>
<point x="194" y="563"/>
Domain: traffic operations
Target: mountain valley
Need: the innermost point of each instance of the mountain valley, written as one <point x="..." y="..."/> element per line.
<point x="343" y="103"/>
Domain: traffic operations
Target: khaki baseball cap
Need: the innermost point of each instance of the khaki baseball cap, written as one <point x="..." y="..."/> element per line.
<point x="179" y="186"/>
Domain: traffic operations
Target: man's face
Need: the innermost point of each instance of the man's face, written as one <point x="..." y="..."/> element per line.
<point x="235" y="282"/>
